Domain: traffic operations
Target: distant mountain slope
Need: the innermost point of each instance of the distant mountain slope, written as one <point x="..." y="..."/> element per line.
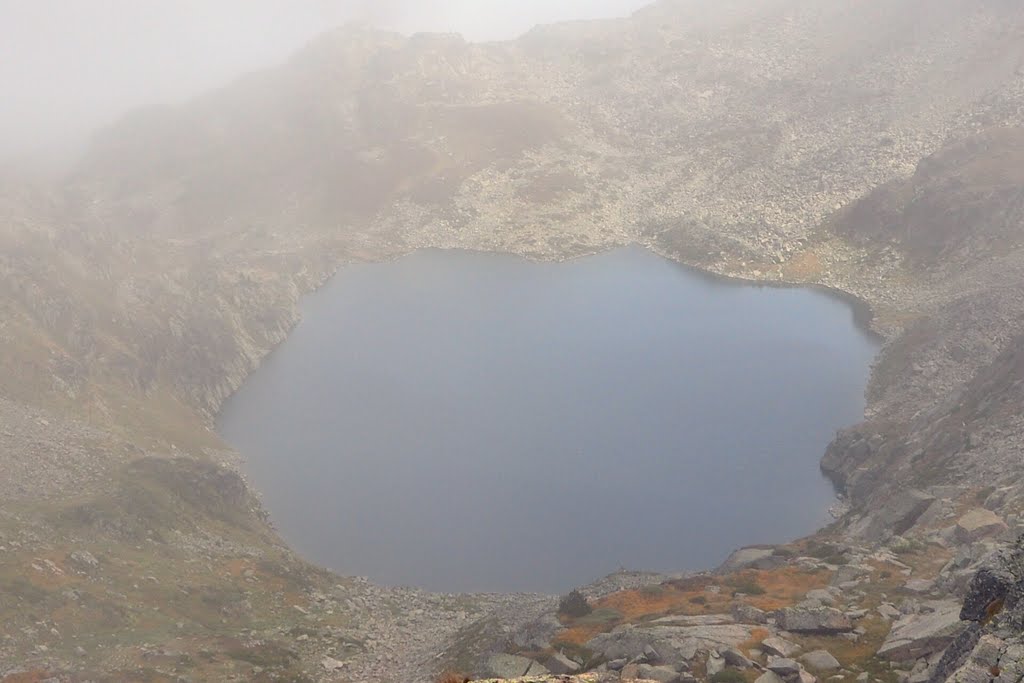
<point x="724" y="137"/>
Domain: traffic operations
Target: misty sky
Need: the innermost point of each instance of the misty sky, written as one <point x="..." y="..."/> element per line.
<point x="69" y="66"/>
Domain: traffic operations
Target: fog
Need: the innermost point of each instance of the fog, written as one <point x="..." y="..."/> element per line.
<point x="70" y="66"/>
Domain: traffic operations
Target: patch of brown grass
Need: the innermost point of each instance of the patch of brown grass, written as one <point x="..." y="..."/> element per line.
<point x="453" y="677"/>
<point x="579" y="635"/>
<point x="26" y="677"/>
<point x="805" y="266"/>
<point x="784" y="586"/>
<point x="860" y="652"/>
<point x="757" y="636"/>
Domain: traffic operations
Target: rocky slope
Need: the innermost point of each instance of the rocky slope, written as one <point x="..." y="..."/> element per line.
<point x="870" y="147"/>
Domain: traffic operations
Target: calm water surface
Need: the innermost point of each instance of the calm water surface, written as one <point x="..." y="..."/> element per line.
<point x="465" y="421"/>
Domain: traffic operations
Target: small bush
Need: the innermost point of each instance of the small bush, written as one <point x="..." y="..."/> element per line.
<point x="574" y="605"/>
<point x="699" y="600"/>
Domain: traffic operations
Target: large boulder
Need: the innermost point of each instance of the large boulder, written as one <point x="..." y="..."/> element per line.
<point x="780" y="647"/>
<point x="784" y="667"/>
<point x="736" y="659"/>
<point x="748" y="614"/>
<point x="898" y="514"/>
<point x="559" y="664"/>
<point x="820" y="660"/>
<point x="824" y="620"/>
<point x="977" y="524"/>
<point x="754" y="557"/>
<point x="921" y="635"/>
<point x="988" y="589"/>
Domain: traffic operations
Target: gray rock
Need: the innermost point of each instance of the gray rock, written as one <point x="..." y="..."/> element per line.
<point x="715" y="664"/>
<point x="978" y="524"/>
<point x="769" y="677"/>
<point x="849" y="573"/>
<point x="784" y="667"/>
<point x="559" y="664"/>
<point x="513" y="666"/>
<point x="900" y="513"/>
<point x="889" y="611"/>
<point x="750" y="558"/>
<point x="661" y="674"/>
<point x="735" y="658"/>
<point x="779" y="647"/>
<point x="919" y="585"/>
<point x="957" y="652"/>
<point x="330" y="664"/>
<point x="824" y="620"/>
<point x="630" y="672"/>
<point x="617" y="664"/>
<point x="987" y="589"/>
<point x="921" y="635"/>
<point x="748" y="614"/>
<point x="820" y="660"/>
<point x="823" y="596"/>
<point x="537" y="635"/>
<point x="673" y="643"/>
<point x="83" y="561"/>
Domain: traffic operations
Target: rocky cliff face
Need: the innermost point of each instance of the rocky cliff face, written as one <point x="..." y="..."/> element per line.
<point x="873" y="147"/>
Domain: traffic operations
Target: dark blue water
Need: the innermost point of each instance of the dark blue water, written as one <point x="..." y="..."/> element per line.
<point x="466" y="421"/>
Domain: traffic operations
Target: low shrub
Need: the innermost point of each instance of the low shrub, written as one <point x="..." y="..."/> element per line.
<point x="574" y="605"/>
<point x="747" y="586"/>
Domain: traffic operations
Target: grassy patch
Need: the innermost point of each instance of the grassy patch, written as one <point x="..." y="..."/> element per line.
<point x="156" y="495"/>
<point x="746" y="585"/>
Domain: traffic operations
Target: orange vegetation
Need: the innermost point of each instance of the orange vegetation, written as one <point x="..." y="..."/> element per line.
<point x="705" y="594"/>
<point x="451" y="677"/>
<point x="784" y="586"/>
<point x="26" y="677"/>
